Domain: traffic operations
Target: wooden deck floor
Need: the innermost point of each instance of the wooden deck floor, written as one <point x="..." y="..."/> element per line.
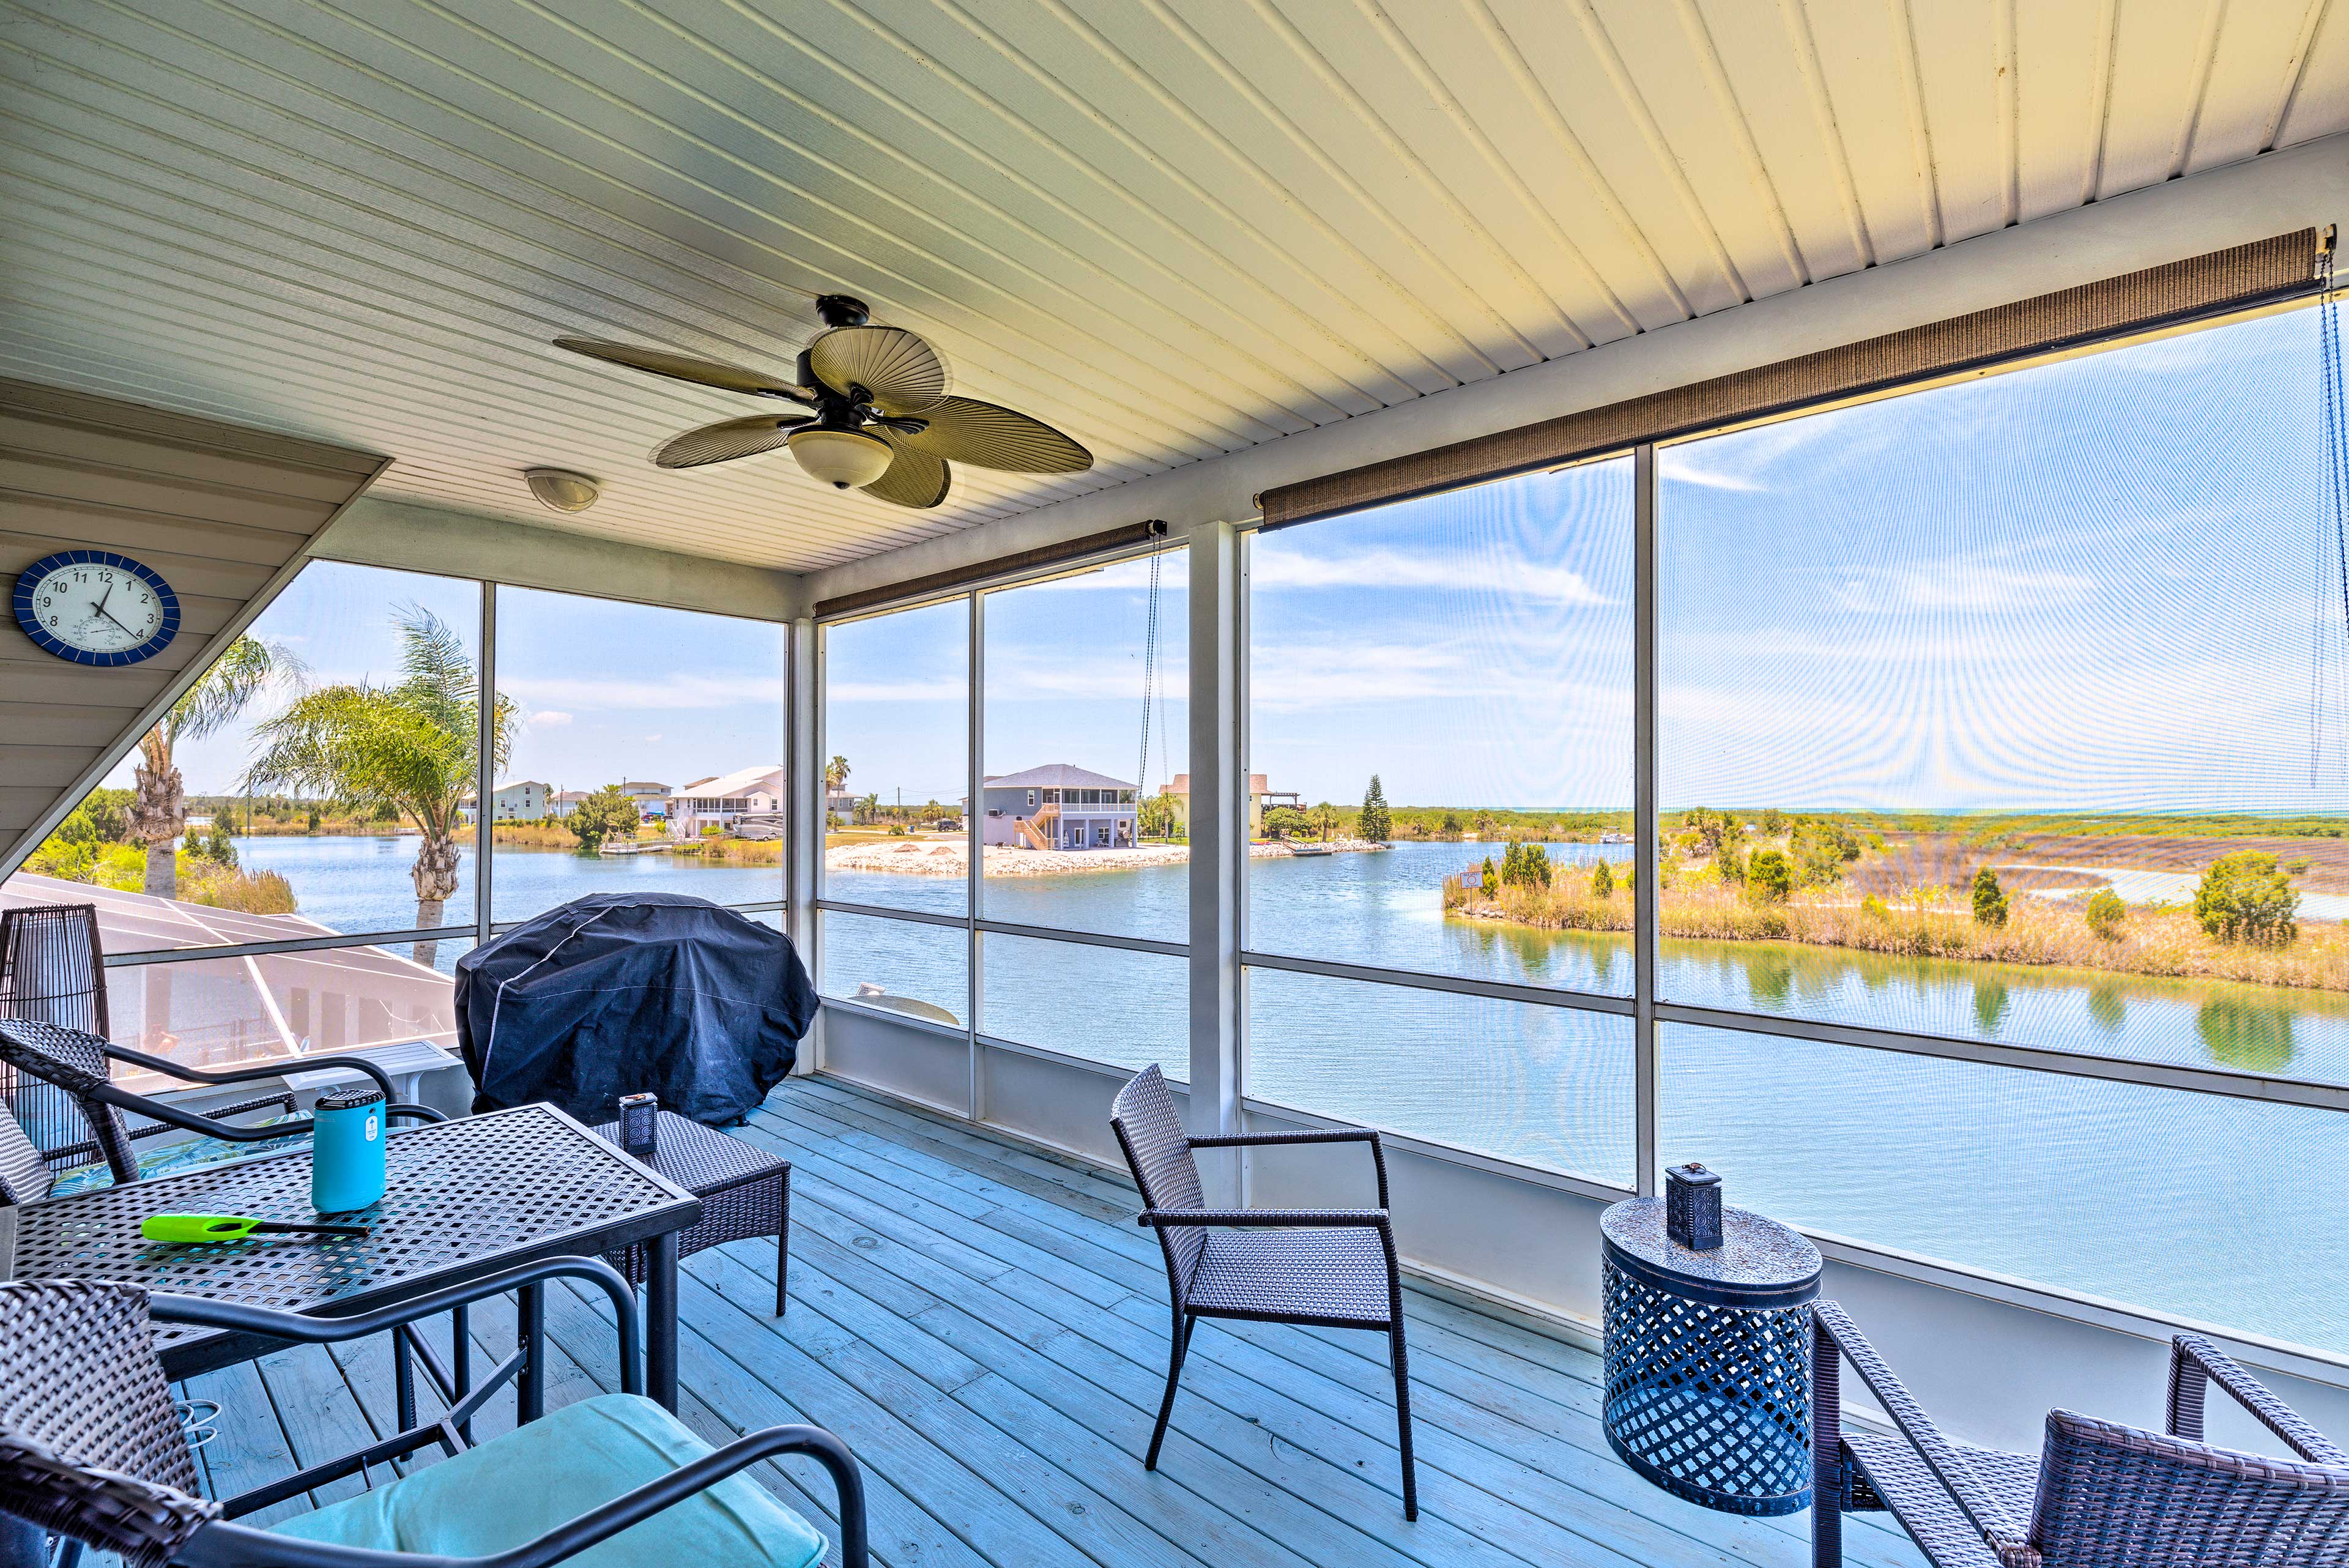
<point x="985" y="1327"/>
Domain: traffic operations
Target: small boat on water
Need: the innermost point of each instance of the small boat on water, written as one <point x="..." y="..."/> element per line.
<point x="1311" y="849"/>
<point x="656" y="846"/>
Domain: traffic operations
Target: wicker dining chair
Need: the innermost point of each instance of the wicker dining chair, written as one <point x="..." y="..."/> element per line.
<point x="2096" y="1495"/>
<point x="91" y="1451"/>
<point x="52" y="970"/>
<point x="77" y="1062"/>
<point x="1327" y="1267"/>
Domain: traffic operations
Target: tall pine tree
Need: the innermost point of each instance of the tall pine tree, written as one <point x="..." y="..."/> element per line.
<point x="1375" y="823"/>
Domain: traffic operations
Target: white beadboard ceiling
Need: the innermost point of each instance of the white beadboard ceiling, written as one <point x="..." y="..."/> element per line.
<point x="1173" y="227"/>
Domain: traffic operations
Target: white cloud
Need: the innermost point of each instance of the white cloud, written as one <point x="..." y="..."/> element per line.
<point x="553" y="717"/>
<point x="1381" y="566"/>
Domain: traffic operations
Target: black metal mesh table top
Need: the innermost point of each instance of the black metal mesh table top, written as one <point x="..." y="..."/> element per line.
<point x="699" y="1159"/>
<point x="463" y="1199"/>
<point x="1759" y="1263"/>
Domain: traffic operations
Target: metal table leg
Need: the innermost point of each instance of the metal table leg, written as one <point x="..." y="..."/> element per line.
<point x="660" y="1314"/>
<point x="530" y="1337"/>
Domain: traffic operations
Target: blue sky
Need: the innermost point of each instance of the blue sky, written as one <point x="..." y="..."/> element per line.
<point x="2092" y="584"/>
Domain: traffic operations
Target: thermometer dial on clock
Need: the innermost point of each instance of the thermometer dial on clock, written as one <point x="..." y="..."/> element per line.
<point x="96" y="608"/>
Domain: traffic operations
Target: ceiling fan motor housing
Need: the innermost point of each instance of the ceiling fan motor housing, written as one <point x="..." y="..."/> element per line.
<point x="840" y="458"/>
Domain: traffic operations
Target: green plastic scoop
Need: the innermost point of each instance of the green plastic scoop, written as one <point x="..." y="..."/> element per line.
<point x="194" y="1227"/>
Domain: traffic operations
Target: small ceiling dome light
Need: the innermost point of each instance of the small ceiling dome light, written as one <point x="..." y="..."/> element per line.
<point x="562" y="489"/>
<point x="840" y="458"/>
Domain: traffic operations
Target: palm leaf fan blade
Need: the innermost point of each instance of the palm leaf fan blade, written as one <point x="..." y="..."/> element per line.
<point x="988" y="435"/>
<point x="684" y="368"/>
<point x="727" y="441"/>
<point x="915" y="478"/>
<point x="903" y="373"/>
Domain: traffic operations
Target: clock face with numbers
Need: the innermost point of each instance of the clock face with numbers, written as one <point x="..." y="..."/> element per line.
<point x="94" y="606"/>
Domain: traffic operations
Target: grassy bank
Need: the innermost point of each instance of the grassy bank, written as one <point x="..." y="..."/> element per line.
<point x="2153" y="940"/>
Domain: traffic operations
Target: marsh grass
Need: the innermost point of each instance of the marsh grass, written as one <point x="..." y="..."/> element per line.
<point x="2152" y="939"/>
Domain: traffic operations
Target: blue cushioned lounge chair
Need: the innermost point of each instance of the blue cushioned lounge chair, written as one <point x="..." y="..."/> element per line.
<point x="90" y="1451"/>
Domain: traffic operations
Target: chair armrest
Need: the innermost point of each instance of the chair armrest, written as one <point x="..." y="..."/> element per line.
<point x="224" y="1545"/>
<point x="2195" y="1363"/>
<point x="1322" y="1219"/>
<point x="2004" y="1535"/>
<point x="245" y="1075"/>
<point x="303" y="1328"/>
<point x="1317" y="1135"/>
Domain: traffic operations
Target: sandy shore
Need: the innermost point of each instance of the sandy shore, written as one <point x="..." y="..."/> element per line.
<point x="948" y="858"/>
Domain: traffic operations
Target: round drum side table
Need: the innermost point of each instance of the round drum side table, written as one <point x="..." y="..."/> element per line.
<point x="1708" y="1358"/>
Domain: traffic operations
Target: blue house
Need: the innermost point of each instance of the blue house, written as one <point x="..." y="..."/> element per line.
<point x="1058" y="807"/>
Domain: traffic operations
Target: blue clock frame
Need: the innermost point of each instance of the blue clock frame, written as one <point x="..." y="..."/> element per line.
<point x="30" y="579"/>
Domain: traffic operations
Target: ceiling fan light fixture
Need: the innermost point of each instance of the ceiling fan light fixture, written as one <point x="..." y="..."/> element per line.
<point x="560" y="488"/>
<point x="840" y="458"/>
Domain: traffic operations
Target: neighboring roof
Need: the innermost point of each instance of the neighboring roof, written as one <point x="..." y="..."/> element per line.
<point x="741" y="781"/>
<point x="1056" y="775"/>
<point x="642" y="786"/>
<point x="575" y="795"/>
<point x="524" y="783"/>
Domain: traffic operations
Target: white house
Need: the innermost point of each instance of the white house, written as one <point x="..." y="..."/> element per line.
<point x="563" y="802"/>
<point x="523" y="801"/>
<point x="1058" y="806"/>
<point x="725" y="800"/>
<point x="652" y="799"/>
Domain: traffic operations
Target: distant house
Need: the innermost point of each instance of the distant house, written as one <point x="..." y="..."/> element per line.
<point x="652" y="799"/>
<point x="1058" y="807"/>
<point x="1261" y="797"/>
<point x="725" y="800"/>
<point x="525" y="801"/>
<point x="566" y="802"/>
<point x="842" y="804"/>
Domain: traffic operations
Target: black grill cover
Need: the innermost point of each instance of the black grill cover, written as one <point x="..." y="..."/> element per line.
<point x="625" y="993"/>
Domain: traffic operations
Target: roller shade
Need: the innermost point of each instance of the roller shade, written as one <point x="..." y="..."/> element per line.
<point x="2233" y="279"/>
<point x="1024" y="561"/>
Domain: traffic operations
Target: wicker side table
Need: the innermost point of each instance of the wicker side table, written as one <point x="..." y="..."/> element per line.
<point x="1708" y="1358"/>
<point x="744" y="1191"/>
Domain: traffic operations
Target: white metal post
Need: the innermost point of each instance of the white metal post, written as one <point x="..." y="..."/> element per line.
<point x="1646" y="892"/>
<point x="806" y="827"/>
<point x="1219" y="829"/>
<point x="485" y="768"/>
<point x="974" y="810"/>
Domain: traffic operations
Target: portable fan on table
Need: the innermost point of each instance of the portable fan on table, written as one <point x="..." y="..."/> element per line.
<point x="882" y="421"/>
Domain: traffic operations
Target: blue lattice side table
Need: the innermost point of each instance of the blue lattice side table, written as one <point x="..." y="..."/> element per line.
<point x="1709" y="1358"/>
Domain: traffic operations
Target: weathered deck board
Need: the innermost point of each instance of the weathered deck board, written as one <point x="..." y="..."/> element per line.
<point x="983" y="1322"/>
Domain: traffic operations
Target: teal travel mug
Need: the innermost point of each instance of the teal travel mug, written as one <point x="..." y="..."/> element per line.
<point x="347" y="1150"/>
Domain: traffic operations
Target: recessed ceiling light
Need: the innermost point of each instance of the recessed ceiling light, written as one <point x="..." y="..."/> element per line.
<point x="562" y="489"/>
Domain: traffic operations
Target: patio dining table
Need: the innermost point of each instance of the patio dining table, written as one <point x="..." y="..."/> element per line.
<point x="464" y="1200"/>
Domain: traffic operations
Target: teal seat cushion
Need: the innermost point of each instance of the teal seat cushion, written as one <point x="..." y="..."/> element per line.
<point x="518" y="1487"/>
<point x="170" y="1158"/>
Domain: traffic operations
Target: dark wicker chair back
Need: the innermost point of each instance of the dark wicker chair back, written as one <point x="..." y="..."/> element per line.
<point x="75" y="1063"/>
<point x="24" y="1175"/>
<point x="89" y="1447"/>
<point x="2112" y="1495"/>
<point x="51" y="970"/>
<point x="1158" y="1152"/>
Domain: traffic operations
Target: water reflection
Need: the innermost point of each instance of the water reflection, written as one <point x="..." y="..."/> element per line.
<point x="2240" y="1032"/>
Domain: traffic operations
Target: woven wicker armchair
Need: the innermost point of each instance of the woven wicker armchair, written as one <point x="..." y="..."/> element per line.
<point x="91" y="1451"/>
<point x="2098" y="1495"/>
<point x="52" y="968"/>
<point x="76" y="1063"/>
<point x="1327" y="1268"/>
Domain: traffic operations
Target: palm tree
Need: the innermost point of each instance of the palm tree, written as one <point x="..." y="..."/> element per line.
<point x="411" y="746"/>
<point x="835" y="774"/>
<point x="159" y="812"/>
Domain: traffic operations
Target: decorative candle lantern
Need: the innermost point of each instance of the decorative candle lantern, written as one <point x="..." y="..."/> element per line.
<point x="1692" y="1207"/>
<point x="640" y="1124"/>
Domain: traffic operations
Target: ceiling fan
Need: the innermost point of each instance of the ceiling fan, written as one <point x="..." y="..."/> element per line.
<point x="883" y="420"/>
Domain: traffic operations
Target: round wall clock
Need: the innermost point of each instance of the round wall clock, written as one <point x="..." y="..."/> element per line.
<point x="94" y="607"/>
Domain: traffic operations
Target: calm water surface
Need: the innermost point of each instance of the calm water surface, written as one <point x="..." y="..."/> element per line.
<point x="2030" y="1175"/>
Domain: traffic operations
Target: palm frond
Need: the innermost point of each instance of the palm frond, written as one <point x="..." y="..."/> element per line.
<point x="243" y="672"/>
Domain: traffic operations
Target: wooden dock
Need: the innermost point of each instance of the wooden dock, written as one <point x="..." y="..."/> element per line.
<point x="984" y="1324"/>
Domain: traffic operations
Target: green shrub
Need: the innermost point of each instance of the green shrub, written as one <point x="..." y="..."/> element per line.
<point x="2246" y="898"/>
<point x="2105" y="913"/>
<point x="1769" y="877"/>
<point x="1875" y="908"/>
<point x="1602" y="881"/>
<point x="1989" y="899"/>
<point x="1491" y="879"/>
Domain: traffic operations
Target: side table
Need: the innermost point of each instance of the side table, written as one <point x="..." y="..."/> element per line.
<point x="744" y="1191"/>
<point x="1708" y="1358"/>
